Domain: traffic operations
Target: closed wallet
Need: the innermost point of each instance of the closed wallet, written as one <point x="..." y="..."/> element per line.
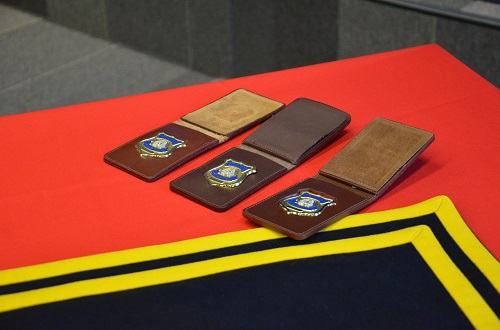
<point x="158" y="152"/>
<point x="354" y="178"/>
<point x="280" y="144"/>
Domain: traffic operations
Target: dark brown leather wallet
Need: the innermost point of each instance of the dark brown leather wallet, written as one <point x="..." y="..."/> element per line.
<point x="354" y="178"/>
<point x="158" y="152"/>
<point x="280" y="144"/>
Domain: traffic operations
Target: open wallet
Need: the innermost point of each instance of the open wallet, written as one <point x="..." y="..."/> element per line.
<point x="284" y="141"/>
<point x="354" y="178"/>
<point x="158" y="152"/>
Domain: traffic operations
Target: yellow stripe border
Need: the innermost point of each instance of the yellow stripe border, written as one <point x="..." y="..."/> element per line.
<point x="456" y="283"/>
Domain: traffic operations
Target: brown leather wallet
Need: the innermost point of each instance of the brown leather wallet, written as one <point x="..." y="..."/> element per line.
<point x="280" y="144"/>
<point x="158" y="152"/>
<point x="354" y="178"/>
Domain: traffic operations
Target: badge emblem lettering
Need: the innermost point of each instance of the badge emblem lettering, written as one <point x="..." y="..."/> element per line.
<point x="230" y="174"/>
<point x="306" y="203"/>
<point x="162" y="145"/>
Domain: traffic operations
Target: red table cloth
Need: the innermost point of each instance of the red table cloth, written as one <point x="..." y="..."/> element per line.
<point x="59" y="200"/>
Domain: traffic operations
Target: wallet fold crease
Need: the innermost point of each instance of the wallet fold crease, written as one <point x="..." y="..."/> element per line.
<point x="280" y="144"/>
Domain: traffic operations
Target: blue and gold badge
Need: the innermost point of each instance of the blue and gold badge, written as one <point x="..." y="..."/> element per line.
<point x="162" y="145"/>
<point x="306" y="203"/>
<point x="230" y="174"/>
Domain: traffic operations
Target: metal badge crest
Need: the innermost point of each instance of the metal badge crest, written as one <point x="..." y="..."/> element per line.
<point x="306" y="203"/>
<point x="162" y="145"/>
<point x="230" y="174"/>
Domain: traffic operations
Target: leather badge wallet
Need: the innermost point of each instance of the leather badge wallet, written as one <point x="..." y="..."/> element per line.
<point x="354" y="178"/>
<point x="158" y="152"/>
<point x="280" y="144"/>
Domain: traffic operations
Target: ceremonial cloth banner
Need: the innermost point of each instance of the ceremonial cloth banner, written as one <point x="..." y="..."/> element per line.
<point x="413" y="267"/>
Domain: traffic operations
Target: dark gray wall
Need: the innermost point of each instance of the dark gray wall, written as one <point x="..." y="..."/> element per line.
<point x="38" y="7"/>
<point x="228" y="38"/>
<point x="387" y="27"/>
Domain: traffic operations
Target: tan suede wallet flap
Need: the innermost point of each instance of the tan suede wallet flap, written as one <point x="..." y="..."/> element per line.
<point x="377" y="154"/>
<point x="233" y="113"/>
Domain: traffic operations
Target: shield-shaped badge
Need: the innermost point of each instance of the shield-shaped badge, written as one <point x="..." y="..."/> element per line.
<point x="306" y="203"/>
<point x="161" y="145"/>
<point x="230" y="174"/>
